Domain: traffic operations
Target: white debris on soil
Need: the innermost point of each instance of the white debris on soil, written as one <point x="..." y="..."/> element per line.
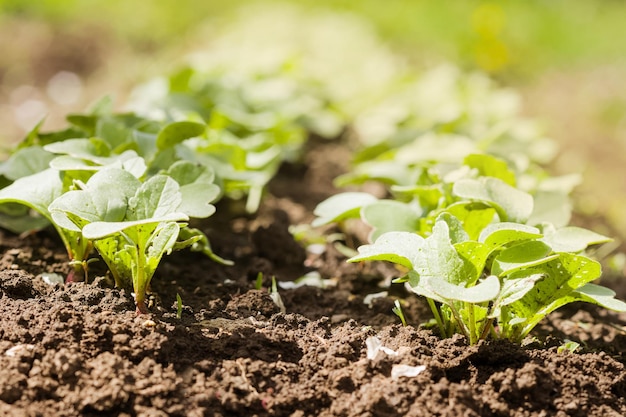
<point x="374" y="345"/>
<point x="51" y="278"/>
<point x="369" y="299"/>
<point x="17" y="348"/>
<point x="312" y="279"/>
<point x="398" y="371"/>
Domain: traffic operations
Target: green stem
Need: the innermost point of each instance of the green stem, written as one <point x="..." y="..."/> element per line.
<point x="139" y="279"/>
<point x="435" y="310"/>
<point x="460" y="323"/>
<point x="486" y="329"/>
<point x="472" y="323"/>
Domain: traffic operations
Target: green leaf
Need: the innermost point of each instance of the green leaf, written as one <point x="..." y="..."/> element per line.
<point x="524" y="255"/>
<point x="157" y="197"/>
<point x="561" y="278"/>
<point x="187" y="172"/>
<point x="196" y="199"/>
<point x="499" y="234"/>
<point x="102" y="229"/>
<point x="551" y="207"/>
<point x="162" y="243"/>
<point x="511" y="204"/>
<point x="25" y="162"/>
<point x="177" y="132"/>
<point x="390" y="216"/>
<point x="572" y="239"/>
<point x="437" y="258"/>
<point x="127" y="160"/>
<point x="104" y="198"/>
<point x="486" y="290"/>
<point x="491" y="166"/>
<point x="84" y="122"/>
<point x="438" y="147"/>
<point x="36" y="191"/>
<point x="102" y="106"/>
<point x="457" y="233"/>
<point x="340" y="207"/>
<point x="197" y="241"/>
<point x="93" y="150"/>
<point x="389" y="172"/>
<point x="196" y="188"/>
<point x="113" y="131"/>
<point x="601" y="296"/>
<point x="474" y="216"/>
<point x="476" y="254"/>
<point x="428" y="196"/>
<point x="401" y="248"/>
<point x="492" y="238"/>
<point x="514" y="287"/>
<point x="22" y="223"/>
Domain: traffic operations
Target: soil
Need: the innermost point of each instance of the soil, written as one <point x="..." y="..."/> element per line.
<point x="80" y="349"/>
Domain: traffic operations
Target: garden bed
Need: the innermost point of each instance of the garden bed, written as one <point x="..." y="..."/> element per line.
<point x="80" y="349"/>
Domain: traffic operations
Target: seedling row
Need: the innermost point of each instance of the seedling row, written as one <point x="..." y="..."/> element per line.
<point x="468" y="213"/>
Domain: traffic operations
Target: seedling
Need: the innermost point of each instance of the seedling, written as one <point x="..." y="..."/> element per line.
<point x="37" y="192"/>
<point x="500" y="284"/>
<point x="179" y="306"/>
<point x="132" y="224"/>
<point x="275" y="296"/>
<point x="568" y="346"/>
<point x="397" y="310"/>
<point x="258" y="284"/>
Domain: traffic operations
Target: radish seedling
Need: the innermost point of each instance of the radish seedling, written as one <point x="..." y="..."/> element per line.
<point x="500" y="284"/>
<point x="133" y="224"/>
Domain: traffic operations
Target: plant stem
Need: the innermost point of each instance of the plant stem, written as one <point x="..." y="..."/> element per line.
<point x="486" y="329"/>
<point x="457" y="317"/>
<point x="433" y="308"/>
<point x="139" y="278"/>
<point x="472" y="323"/>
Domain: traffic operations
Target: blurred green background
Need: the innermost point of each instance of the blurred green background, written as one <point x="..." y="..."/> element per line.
<point x="567" y="58"/>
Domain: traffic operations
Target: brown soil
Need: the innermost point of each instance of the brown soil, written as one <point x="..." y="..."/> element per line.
<point x="82" y="350"/>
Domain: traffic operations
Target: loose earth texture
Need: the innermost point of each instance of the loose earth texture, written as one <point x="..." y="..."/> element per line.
<point x="80" y="349"/>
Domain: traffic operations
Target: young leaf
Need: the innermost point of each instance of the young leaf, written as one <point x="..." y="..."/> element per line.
<point x="490" y="166"/>
<point x="401" y="248"/>
<point x="103" y="198"/>
<point x="390" y="216"/>
<point x="94" y="150"/>
<point x="340" y="207"/>
<point x="499" y="234"/>
<point x="524" y="255"/>
<point x="486" y="290"/>
<point x="561" y="277"/>
<point x="511" y="204"/>
<point x="572" y="239"/>
<point x="197" y="241"/>
<point x="514" y="288"/>
<point x="101" y="229"/>
<point x="177" y="132"/>
<point x="552" y="206"/>
<point x="196" y="188"/>
<point x="602" y="296"/>
<point x="457" y="233"/>
<point x="157" y="197"/>
<point x="474" y="216"/>
<point x="25" y="162"/>
<point x="36" y="191"/>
